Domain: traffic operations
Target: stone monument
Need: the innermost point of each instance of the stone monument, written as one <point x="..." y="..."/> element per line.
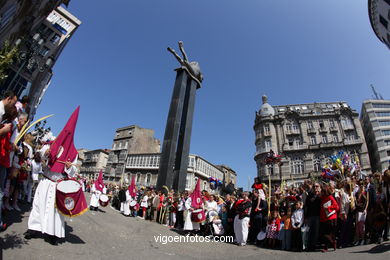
<point x="176" y="146"/>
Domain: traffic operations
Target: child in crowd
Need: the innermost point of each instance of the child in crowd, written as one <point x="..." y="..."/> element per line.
<point x="273" y="228"/>
<point x="296" y="223"/>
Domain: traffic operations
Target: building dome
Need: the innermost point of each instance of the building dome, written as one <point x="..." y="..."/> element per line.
<point x="266" y="109"/>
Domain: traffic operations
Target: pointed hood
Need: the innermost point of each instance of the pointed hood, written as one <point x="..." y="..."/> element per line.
<point x="196" y="196"/>
<point x="99" y="184"/>
<point x="62" y="148"/>
<point x="131" y="188"/>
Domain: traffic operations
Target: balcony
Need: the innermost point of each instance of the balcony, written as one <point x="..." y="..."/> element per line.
<point x="293" y="132"/>
<point x="288" y="148"/>
<point x="348" y="127"/>
<point x="311" y="131"/>
<point x="267" y="134"/>
<point x="333" y="129"/>
<point x="323" y="130"/>
<point x="353" y="142"/>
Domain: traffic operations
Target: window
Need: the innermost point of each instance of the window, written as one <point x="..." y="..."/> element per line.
<point x="55" y="39"/>
<point x="44" y="51"/>
<point x="385" y="132"/>
<point x="324" y="139"/>
<point x="381" y="105"/>
<point x="268" y="144"/>
<point x="317" y="164"/>
<point x="346" y="122"/>
<point x="295" y="127"/>
<point x="266" y="129"/>
<point x="335" y="138"/>
<point x="297" y="143"/>
<point x="383" y="21"/>
<point x="313" y="140"/>
<point x="270" y="169"/>
<point x="350" y="137"/>
<point x="321" y="123"/>
<point x="387" y="142"/>
<point x="384" y="123"/>
<point x="138" y="178"/>
<point x="382" y="114"/>
<point x="148" y="178"/>
<point x="331" y="123"/>
<point x="7" y="16"/>
<point x="388" y="153"/>
<point x="288" y="127"/>
<point x="297" y="166"/>
<point x="310" y="125"/>
<point x="290" y="142"/>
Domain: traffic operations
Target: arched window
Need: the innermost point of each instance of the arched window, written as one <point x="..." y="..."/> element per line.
<point x="317" y="164"/>
<point x="148" y="179"/>
<point x="138" y="178"/>
<point x="297" y="166"/>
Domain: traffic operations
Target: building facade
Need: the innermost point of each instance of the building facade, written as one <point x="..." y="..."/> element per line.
<point x="39" y="48"/>
<point x="379" y="15"/>
<point x="306" y="135"/>
<point x="375" y="119"/>
<point x="93" y="162"/>
<point x="145" y="169"/>
<point x="129" y="140"/>
<point x="229" y="175"/>
<point x="80" y="158"/>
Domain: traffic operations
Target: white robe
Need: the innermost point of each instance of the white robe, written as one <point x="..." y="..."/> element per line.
<point x="44" y="216"/>
<point x="126" y="206"/>
<point x="188" y="224"/>
<point x="95" y="197"/>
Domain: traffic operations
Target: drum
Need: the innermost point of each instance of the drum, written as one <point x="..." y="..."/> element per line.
<point x="133" y="203"/>
<point x="198" y="215"/>
<point x="104" y="200"/>
<point x="70" y="199"/>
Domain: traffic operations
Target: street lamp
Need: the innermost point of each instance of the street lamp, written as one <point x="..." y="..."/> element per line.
<point x="29" y="57"/>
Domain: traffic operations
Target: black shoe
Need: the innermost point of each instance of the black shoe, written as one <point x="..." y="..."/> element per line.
<point x="30" y="234"/>
<point x="53" y="240"/>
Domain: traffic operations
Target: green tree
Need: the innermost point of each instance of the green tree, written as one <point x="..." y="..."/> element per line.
<point x="8" y="55"/>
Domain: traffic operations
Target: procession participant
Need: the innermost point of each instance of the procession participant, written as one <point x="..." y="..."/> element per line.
<point x="193" y="202"/>
<point x="97" y="190"/>
<point x="36" y="170"/>
<point x="122" y="198"/>
<point x="155" y="204"/>
<point x="180" y="210"/>
<point x="241" y="221"/>
<point x="61" y="157"/>
<point x="130" y="196"/>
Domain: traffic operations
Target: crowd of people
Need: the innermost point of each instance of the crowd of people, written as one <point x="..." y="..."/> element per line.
<point x="20" y="164"/>
<point x="317" y="215"/>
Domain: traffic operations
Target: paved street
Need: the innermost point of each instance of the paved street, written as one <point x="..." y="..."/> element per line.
<point x="109" y="235"/>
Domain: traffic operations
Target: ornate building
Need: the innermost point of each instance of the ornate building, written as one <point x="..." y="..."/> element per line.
<point x="129" y="140"/>
<point x="145" y="168"/>
<point x="306" y="135"/>
<point x="93" y="162"/>
<point x="40" y="40"/>
<point x="379" y="14"/>
<point x="375" y="118"/>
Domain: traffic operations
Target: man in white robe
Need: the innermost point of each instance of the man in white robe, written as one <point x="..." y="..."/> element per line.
<point x="188" y="224"/>
<point x="45" y="217"/>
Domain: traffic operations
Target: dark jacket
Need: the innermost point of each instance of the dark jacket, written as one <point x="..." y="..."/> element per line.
<point x="312" y="205"/>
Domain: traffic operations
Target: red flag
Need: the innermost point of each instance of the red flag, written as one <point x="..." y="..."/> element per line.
<point x="131" y="188"/>
<point x="99" y="184"/>
<point x="63" y="148"/>
<point x="196" y="197"/>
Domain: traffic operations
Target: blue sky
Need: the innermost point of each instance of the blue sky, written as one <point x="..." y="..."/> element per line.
<point x="117" y="69"/>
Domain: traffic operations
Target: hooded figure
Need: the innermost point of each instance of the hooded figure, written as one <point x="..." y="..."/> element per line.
<point x="61" y="157"/>
<point x="194" y="202"/>
<point x="96" y="190"/>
